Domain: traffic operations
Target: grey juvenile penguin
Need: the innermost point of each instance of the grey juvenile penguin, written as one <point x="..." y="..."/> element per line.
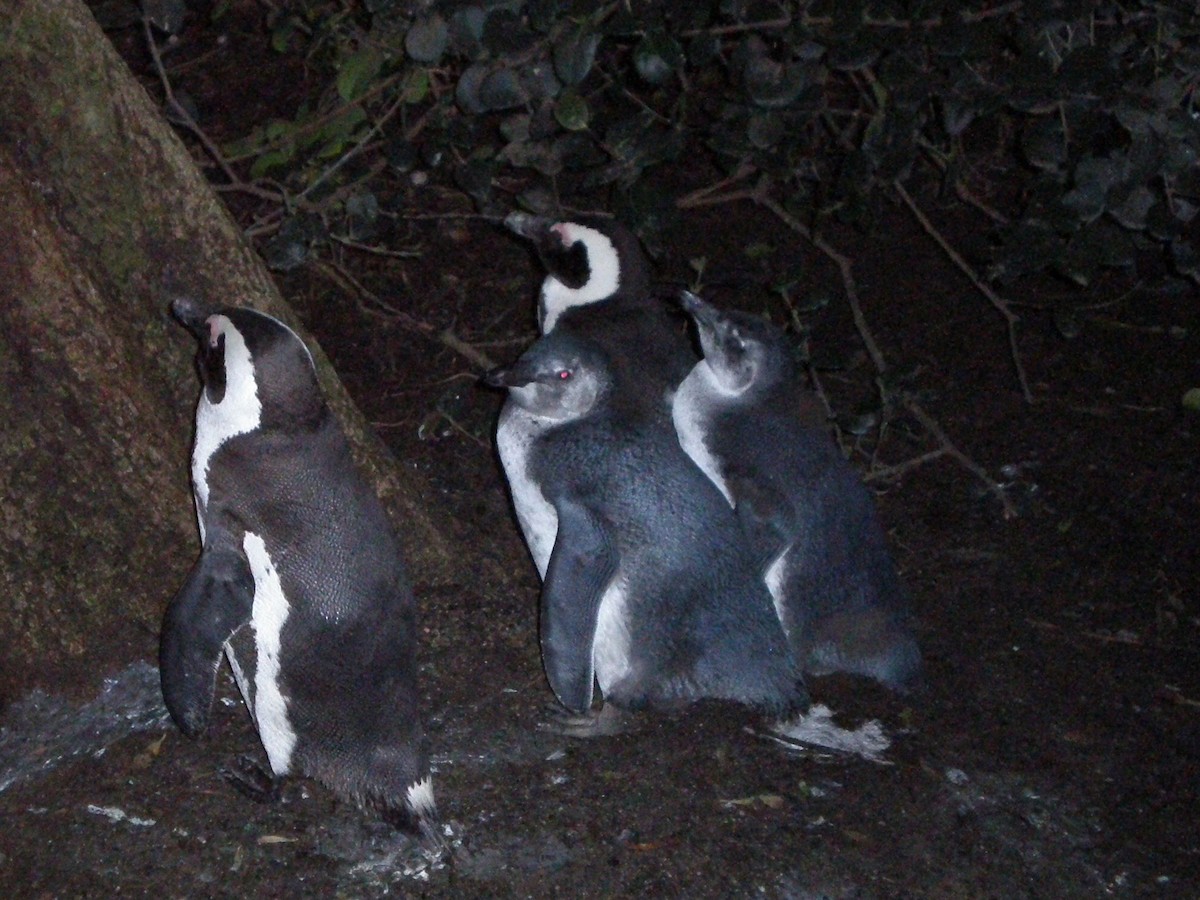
<point x="597" y="286"/>
<point x="823" y="553"/>
<point x="648" y="589"/>
<point x="300" y="580"/>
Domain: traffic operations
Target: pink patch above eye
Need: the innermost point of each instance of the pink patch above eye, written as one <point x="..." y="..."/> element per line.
<point x="214" y="331"/>
<point x="564" y="232"/>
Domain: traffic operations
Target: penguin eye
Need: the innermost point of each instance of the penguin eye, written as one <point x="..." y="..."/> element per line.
<point x="564" y="374"/>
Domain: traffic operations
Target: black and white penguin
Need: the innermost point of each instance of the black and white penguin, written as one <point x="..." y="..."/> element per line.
<point x="588" y="260"/>
<point x="597" y="287"/>
<point x="649" y="589"/>
<point x="301" y="579"/>
<point x="740" y="416"/>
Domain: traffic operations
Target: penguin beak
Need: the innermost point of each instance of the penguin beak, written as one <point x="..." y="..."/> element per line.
<point x="532" y="228"/>
<point x="705" y="314"/>
<point x="506" y="377"/>
<point x="192" y="315"/>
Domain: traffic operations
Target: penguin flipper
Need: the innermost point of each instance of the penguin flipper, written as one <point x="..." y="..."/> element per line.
<point x="214" y="602"/>
<point x="766" y="514"/>
<point x="581" y="565"/>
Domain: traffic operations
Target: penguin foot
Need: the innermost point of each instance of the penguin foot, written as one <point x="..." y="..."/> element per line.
<point x="606" y="721"/>
<point x="251" y="780"/>
<point x="815" y="730"/>
<point x="426" y="828"/>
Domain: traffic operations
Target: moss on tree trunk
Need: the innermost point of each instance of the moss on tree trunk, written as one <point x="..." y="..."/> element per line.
<point x="104" y="219"/>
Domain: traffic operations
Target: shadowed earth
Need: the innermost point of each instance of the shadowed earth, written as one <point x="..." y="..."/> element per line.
<point x="1055" y="751"/>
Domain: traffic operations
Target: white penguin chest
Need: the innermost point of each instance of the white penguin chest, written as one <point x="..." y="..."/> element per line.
<point x="692" y="410"/>
<point x="611" y="641"/>
<point x="515" y="437"/>
<point x="239" y="412"/>
<point x="267" y="704"/>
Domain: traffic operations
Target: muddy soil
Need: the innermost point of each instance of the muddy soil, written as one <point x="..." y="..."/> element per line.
<point x="1055" y="748"/>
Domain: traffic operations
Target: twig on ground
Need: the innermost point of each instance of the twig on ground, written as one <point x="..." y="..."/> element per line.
<point x="1125" y="638"/>
<point x="376" y="306"/>
<point x="999" y="303"/>
<point x="931" y="425"/>
<point x="882" y="473"/>
<point x="359" y="145"/>
<point x="813" y="375"/>
<point x="376" y="251"/>
<point x="845" y="268"/>
<point x="185" y="118"/>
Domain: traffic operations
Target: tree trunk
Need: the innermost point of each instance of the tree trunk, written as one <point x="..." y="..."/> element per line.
<point x="104" y="219"/>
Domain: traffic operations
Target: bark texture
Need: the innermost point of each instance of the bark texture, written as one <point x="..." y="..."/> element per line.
<point x="104" y="218"/>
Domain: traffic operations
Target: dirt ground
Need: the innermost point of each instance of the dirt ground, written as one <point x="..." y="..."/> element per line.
<point x="1055" y="749"/>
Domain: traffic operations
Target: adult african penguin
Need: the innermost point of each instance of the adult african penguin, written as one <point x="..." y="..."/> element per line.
<point x="588" y="260"/>
<point x="300" y="579"/>
<point x="824" y="557"/>
<point x="597" y="286"/>
<point x="648" y="588"/>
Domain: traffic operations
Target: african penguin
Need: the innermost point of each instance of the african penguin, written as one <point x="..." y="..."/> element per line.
<point x="740" y="416"/>
<point x="300" y="579"/>
<point x="588" y="260"/>
<point x="648" y="589"/>
<point x="597" y="286"/>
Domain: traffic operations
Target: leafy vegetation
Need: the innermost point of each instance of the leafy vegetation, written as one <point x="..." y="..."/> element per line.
<point x="1093" y="105"/>
<point x="1067" y="131"/>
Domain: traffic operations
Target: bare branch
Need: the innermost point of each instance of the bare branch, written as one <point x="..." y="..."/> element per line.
<point x="999" y="303"/>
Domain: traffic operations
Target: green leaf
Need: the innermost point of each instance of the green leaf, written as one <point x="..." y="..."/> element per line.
<point x="1185" y="259"/>
<point x="1132" y="210"/>
<point x="1043" y="143"/>
<point x="657" y="56"/>
<point x="466" y="30"/>
<point x="571" y="111"/>
<point x="357" y="73"/>
<point x="1085" y="202"/>
<point x="416" y="85"/>
<point x="281" y="35"/>
<point x="426" y="40"/>
<point x="502" y="90"/>
<point x="765" y="130"/>
<point x="272" y="159"/>
<point x="1066" y="323"/>
<point x="469" y="88"/>
<point x="773" y="85"/>
<point x="574" y="54"/>
<point x="1191" y="400"/>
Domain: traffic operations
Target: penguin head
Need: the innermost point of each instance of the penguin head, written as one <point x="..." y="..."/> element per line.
<point x="560" y="378"/>
<point x="587" y="260"/>
<point x="252" y="363"/>
<point x="740" y="349"/>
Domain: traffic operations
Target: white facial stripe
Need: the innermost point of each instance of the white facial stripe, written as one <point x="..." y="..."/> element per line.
<point x="604" y="276"/>
<point x="267" y="618"/>
<point x="239" y="411"/>
<point x="691" y="412"/>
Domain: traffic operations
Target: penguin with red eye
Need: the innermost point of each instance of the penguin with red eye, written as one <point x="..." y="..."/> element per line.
<point x="597" y="287"/>
<point x="648" y="590"/>
<point x="824" y="557"/>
